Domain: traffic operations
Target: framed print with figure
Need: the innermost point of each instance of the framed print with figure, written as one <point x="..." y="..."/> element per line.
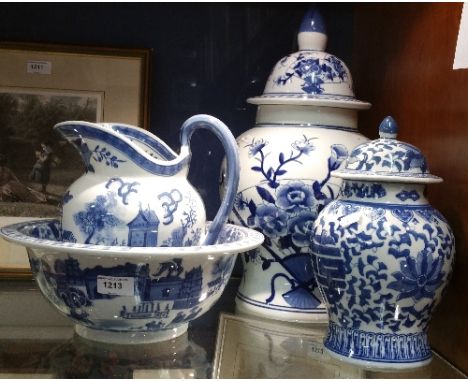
<point x="44" y="84"/>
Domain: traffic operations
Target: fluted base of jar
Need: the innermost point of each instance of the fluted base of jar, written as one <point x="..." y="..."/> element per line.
<point x="248" y="306"/>
<point x="382" y="351"/>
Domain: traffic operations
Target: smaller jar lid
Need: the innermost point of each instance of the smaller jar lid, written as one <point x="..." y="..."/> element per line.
<point x="387" y="160"/>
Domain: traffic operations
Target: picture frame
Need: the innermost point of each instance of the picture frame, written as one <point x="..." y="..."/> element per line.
<point x="249" y="347"/>
<point x="43" y="84"/>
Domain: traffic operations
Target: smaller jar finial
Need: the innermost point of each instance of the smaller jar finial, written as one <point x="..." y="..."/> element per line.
<point x="388" y="128"/>
<point x="312" y="33"/>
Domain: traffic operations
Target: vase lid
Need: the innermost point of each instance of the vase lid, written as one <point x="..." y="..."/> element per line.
<point x="387" y="159"/>
<point x="310" y="76"/>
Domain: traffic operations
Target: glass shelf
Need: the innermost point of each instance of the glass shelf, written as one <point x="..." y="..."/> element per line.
<point x="36" y="342"/>
<point x="248" y="347"/>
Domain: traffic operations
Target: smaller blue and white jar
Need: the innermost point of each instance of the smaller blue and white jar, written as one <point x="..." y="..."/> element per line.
<point x="382" y="256"/>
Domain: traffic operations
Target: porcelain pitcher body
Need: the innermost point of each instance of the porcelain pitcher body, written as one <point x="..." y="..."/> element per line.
<point x="135" y="190"/>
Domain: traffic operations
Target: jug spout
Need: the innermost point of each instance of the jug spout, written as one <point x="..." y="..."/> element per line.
<point x="148" y="142"/>
<point x="107" y="148"/>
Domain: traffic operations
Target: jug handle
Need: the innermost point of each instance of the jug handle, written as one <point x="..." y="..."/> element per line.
<point x="223" y="133"/>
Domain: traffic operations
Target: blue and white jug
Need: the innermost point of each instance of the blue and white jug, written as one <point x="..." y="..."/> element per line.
<point x="382" y="256"/>
<point x="135" y="190"/>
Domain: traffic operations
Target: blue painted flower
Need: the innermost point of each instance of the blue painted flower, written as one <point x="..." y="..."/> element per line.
<point x="337" y="66"/>
<point x="239" y="202"/>
<point x="308" y="66"/>
<point x="338" y="154"/>
<point x="305" y="146"/>
<point x="256" y="146"/>
<point x="301" y="228"/>
<point x="312" y="84"/>
<point x="418" y="278"/>
<point x="272" y="220"/>
<point x="294" y="197"/>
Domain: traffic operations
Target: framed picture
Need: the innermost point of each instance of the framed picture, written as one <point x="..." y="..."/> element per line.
<point x="41" y="85"/>
<point x="248" y="347"/>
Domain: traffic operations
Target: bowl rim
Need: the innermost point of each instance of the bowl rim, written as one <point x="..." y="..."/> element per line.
<point x="11" y="233"/>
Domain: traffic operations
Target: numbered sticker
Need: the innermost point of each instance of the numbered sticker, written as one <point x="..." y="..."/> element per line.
<point x="117" y="286"/>
<point x="39" y="67"/>
<point x="315" y="351"/>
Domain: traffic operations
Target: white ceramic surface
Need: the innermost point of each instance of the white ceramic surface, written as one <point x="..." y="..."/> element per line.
<point x="129" y="294"/>
<point x="310" y="76"/>
<point x="382" y="256"/>
<point x="286" y="164"/>
<point x="135" y="190"/>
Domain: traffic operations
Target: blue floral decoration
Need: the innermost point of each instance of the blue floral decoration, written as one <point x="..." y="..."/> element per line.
<point x="295" y="197"/>
<point x="99" y="154"/>
<point x="300" y="228"/>
<point x="285" y="212"/>
<point x="314" y="72"/>
<point x="102" y="154"/>
<point x="256" y="146"/>
<point x="303" y="146"/>
<point x="345" y="254"/>
<point x="337" y="66"/>
<point x="312" y="85"/>
<point x="363" y="190"/>
<point x="272" y="220"/>
<point x="338" y="154"/>
<point x="387" y="155"/>
<point x="418" y="278"/>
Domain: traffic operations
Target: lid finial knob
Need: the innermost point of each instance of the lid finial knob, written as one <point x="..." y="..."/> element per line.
<point x="388" y="128"/>
<point x="312" y="32"/>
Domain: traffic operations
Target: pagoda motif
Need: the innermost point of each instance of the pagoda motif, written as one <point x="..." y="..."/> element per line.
<point x="143" y="229"/>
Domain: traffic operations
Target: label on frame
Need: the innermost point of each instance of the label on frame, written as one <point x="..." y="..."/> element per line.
<point x="39" y="67"/>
